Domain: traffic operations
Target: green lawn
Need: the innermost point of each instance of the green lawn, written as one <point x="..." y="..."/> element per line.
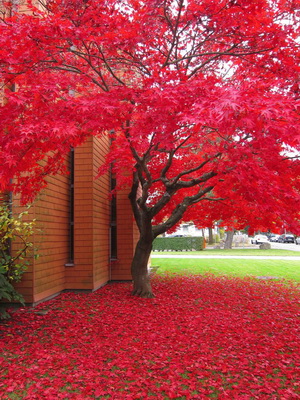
<point x="282" y="269"/>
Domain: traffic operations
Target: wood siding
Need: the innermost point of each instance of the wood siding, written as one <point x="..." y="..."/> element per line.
<point x="52" y="214"/>
<point x="45" y="276"/>
<point x="126" y="238"/>
<point x="91" y="268"/>
<point x="91" y="223"/>
<point x="101" y="215"/>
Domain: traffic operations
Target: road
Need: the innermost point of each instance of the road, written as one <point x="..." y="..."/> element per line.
<point x="285" y="246"/>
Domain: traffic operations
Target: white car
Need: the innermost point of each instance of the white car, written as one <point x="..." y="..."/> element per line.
<point x="258" y="239"/>
<point x="274" y="238"/>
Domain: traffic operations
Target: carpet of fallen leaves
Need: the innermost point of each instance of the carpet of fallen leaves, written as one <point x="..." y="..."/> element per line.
<point x="199" y="338"/>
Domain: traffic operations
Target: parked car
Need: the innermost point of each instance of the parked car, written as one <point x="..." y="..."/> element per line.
<point x="274" y="238"/>
<point x="286" y="239"/>
<point x="258" y="239"/>
<point x="297" y="240"/>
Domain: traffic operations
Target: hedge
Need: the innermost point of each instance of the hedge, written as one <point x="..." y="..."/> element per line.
<point x="178" y="243"/>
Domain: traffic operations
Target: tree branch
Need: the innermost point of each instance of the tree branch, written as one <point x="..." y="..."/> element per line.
<point x="174" y="30"/>
<point x="225" y="53"/>
<point x="192" y="170"/>
<point x="178" y="212"/>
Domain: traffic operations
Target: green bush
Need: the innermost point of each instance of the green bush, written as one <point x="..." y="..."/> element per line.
<point x="13" y="265"/>
<point x="217" y="238"/>
<point x="222" y="233"/>
<point x="178" y="243"/>
<point x="7" y="292"/>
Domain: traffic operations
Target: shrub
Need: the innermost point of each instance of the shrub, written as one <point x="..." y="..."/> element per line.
<point x="217" y="238"/>
<point x="178" y="243"/>
<point x="13" y="264"/>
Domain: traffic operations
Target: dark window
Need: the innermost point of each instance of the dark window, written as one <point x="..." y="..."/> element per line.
<point x="113" y="219"/>
<point x="71" y="211"/>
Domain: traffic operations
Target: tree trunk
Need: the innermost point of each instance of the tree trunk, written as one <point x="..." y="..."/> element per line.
<point x="229" y="239"/>
<point x="210" y="236"/>
<point x="139" y="269"/>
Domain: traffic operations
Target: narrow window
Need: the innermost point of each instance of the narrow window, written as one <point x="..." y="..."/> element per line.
<point x="113" y="220"/>
<point x="71" y="210"/>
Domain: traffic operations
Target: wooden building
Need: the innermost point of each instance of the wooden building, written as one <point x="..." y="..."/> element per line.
<point x="84" y="239"/>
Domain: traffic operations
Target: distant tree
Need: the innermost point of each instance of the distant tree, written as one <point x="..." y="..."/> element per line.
<point x="203" y="97"/>
<point x="210" y="235"/>
<point x="229" y="239"/>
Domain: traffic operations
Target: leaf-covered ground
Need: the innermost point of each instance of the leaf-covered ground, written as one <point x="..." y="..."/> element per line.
<point x="202" y="337"/>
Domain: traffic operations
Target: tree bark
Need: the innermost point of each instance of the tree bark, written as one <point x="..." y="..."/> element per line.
<point x="210" y="236"/>
<point x="229" y="239"/>
<point x="139" y="269"/>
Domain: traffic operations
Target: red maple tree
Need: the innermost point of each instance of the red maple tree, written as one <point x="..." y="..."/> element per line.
<point x="202" y="96"/>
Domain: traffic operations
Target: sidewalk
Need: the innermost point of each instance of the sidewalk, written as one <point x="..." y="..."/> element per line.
<point x="293" y="258"/>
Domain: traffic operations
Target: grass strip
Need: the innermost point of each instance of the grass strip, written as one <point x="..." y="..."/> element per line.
<point x="281" y="269"/>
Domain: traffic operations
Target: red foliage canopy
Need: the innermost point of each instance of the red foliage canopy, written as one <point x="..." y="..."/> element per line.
<point x="203" y="98"/>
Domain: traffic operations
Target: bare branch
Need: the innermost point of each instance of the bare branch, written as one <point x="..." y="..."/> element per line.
<point x="225" y="53"/>
<point x="75" y="70"/>
<point x="174" y="30"/>
<point x="179" y="211"/>
<point x="108" y="67"/>
<point x="291" y="158"/>
<point x="192" y="170"/>
<point x="166" y="168"/>
<point x="96" y="70"/>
